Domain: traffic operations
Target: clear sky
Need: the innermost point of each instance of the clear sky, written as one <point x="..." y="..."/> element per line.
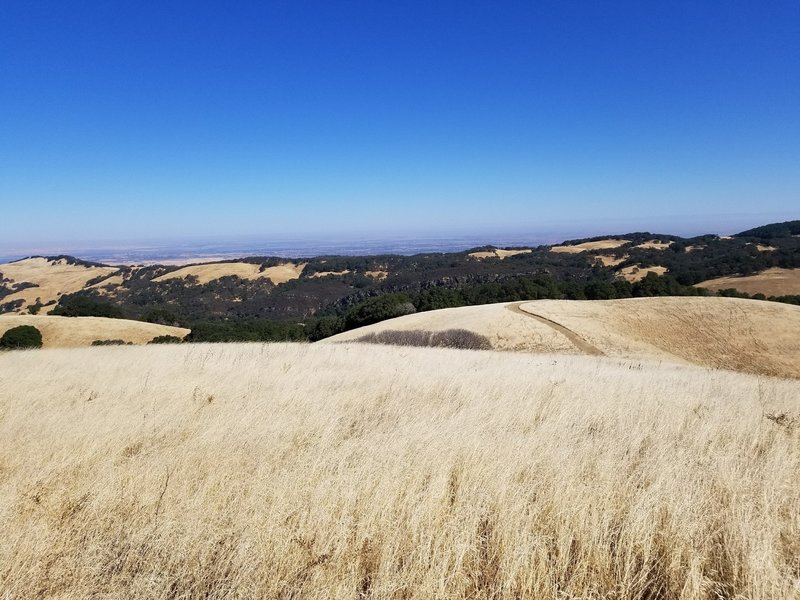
<point x="124" y="121"/>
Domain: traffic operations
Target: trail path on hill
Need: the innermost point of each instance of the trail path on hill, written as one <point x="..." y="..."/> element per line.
<point x="573" y="337"/>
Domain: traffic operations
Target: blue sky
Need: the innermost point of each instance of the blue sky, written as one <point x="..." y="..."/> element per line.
<point x="125" y="121"/>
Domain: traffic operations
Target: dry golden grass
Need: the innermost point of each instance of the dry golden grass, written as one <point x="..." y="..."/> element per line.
<point x="655" y="245"/>
<point x="772" y="282"/>
<point x="327" y="273"/>
<point x="285" y="272"/>
<point x="637" y="272"/>
<point x="53" y="279"/>
<point x="210" y="271"/>
<point x="598" y="245"/>
<point x="608" y="260"/>
<point x="499" y="253"/>
<point x="506" y="329"/>
<point x="377" y="274"/>
<point x="70" y="332"/>
<point x="765" y="248"/>
<point x="726" y="333"/>
<point x="288" y="471"/>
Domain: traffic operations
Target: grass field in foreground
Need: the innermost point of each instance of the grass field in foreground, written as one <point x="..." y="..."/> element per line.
<point x="346" y="471"/>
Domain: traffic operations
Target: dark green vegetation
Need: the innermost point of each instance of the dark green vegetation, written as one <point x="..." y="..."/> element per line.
<point x="772" y="231"/>
<point x="166" y="339"/>
<point x="450" y="338"/>
<point x="247" y="330"/>
<point x="21" y="337"/>
<point x="80" y="305"/>
<point x="312" y="308"/>
<point x="734" y="293"/>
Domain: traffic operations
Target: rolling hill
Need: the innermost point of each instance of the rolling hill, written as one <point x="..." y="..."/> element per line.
<point x="48" y="279"/>
<point x="727" y="333"/>
<point x="66" y="332"/>
<point x="771" y="282"/>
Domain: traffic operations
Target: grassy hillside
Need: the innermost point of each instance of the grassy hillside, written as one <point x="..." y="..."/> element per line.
<point x="772" y="282"/>
<point x="727" y="333"/>
<point x="504" y="328"/>
<point x="66" y="332"/>
<point x="45" y="280"/>
<point x="314" y="471"/>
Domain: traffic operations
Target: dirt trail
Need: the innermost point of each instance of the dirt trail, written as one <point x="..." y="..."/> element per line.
<point x="573" y="337"/>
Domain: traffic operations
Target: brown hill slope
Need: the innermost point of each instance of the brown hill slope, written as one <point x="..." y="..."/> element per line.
<point x="587" y="246"/>
<point x="206" y="272"/>
<point x="772" y="282"/>
<point x="728" y="333"/>
<point x="64" y="332"/>
<point x="52" y="278"/>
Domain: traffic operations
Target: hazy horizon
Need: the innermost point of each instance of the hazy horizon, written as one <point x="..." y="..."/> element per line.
<point x="322" y="243"/>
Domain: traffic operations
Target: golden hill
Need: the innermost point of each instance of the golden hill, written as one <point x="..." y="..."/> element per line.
<point x="587" y="246"/>
<point x="61" y="332"/>
<point x="353" y="471"/>
<point x="654" y="245"/>
<point x="206" y="272"/>
<point x="608" y="260"/>
<point x="499" y="253"/>
<point x="772" y="282"/>
<point x="726" y="333"/>
<point x="637" y="272"/>
<point x="53" y="278"/>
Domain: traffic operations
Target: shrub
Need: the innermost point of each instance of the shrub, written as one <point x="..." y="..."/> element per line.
<point x="166" y="339"/>
<point x="111" y="343"/>
<point x="23" y="336"/>
<point x="449" y="338"/>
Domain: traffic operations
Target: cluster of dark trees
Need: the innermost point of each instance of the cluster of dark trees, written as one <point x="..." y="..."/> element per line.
<point x="81" y="305"/>
<point x="247" y="330"/>
<point x="772" y="231"/>
<point x="734" y="293"/>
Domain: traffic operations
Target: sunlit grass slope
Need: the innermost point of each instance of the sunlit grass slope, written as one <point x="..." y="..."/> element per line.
<point x="70" y="332"/>
<point x="346" y="471"/>
<point x="726" y="333"/>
